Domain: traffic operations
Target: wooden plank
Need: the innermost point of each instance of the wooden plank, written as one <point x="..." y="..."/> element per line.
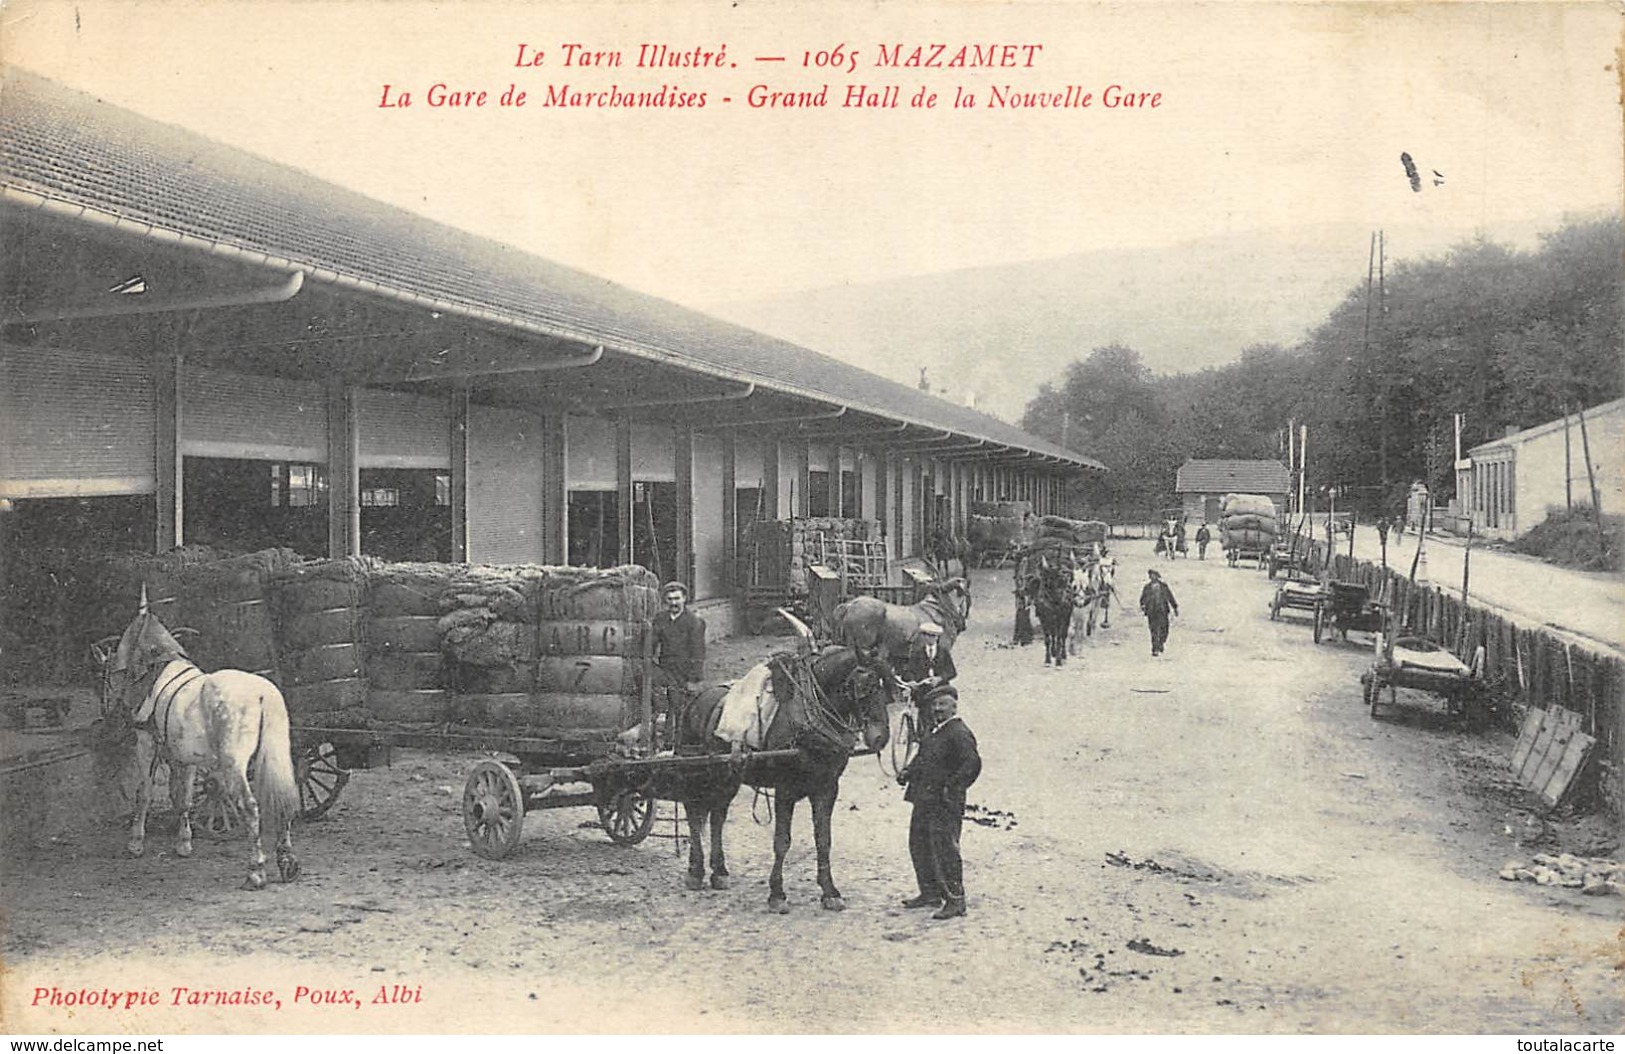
<point x="1563" y="733"/>
<point x="1533" y="722"/>
<point x="1567" y="768"/>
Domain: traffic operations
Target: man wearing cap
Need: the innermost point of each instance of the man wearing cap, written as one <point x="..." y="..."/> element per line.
<point x="929" y="664"/>
<point x="1157" y="600"/>
<point x="679" y="649"/>
<point x="946" y="765"/>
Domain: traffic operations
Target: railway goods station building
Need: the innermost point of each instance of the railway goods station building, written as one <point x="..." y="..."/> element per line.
<point x="204" y="346"/>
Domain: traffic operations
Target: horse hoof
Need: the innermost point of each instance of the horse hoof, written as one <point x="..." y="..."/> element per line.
<point x="778" y="906"/>
<point x="254" y="881"/>
<point x="833" y="904"/>
<point x="184" y="849"/>
<point x="720" y="882"/>
<point x="135" y="850"/>
<point x="290" y="870"/>
<point x="693" y="883"/>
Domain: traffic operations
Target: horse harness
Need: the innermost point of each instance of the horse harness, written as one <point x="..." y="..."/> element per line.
<point x="822" y="718"/>
<point x="153" y="713"/>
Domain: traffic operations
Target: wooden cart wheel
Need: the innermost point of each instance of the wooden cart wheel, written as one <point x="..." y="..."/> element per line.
<point x="321" y="778"/>
<point x="627" y="815"/>
<point x="212" y="811"/>
<point x="493" y="810"/>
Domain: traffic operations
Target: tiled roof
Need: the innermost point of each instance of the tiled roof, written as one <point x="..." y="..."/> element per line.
<point x="67" y="148"/>
<point x="1232" y="477"/>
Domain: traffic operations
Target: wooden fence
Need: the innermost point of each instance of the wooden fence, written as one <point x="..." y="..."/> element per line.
<point x="1528" y="666"/>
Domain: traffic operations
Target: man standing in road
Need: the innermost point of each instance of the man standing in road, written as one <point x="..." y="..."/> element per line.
<point x="1203" y="536"/>
<point x="679" y="651"/>
<point x="1382" y="537"/>
<point x="1157" y="600"/>
<point x="946" y="765"/>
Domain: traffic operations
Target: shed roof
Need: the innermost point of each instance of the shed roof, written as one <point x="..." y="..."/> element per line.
<point x="63" y="150"/>
<point x="1232" y="477"/>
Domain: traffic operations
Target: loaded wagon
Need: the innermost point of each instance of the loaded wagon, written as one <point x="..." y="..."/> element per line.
<point x="1247" y="529"/>
<point x="547" y="666"/>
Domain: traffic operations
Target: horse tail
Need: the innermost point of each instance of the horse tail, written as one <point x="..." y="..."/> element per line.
<point x="275" y="788"/>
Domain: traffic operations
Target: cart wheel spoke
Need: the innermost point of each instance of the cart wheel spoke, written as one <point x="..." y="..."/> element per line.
<point x="320" y="777"/>
<point x="627" y="815"/>
<point x="493" y="810"/>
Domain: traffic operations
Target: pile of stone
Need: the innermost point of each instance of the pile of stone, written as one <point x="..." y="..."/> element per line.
<point x="1595" y="876"/>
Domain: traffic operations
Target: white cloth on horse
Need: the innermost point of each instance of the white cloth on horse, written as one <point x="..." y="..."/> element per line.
<point x="749" y="708"/>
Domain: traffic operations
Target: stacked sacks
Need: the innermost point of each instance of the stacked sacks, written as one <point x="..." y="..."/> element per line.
<point x="1247" y="521"/>
<point x="1078" y="533"/>
<point x="321" y="633"/>
<point x="224" y="598"/>
<point x="408" y="674"/>
<point x="550" y="649"/>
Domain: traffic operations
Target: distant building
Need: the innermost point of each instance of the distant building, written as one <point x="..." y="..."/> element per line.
<point x="1202" y="485"/>
<point x="1511" y="484"/>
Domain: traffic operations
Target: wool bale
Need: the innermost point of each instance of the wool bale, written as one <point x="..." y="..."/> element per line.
<point x="315" y="628"/>
<point x="397" y="591"/>
<point x="349" y="693"/>
<point x="1235" y="504"/>
<point x="325" y="662"/>
<point x="494" y="680"/>
<point x="491" y="644"/>
<point x="318" y="587"/>
<point x="422" y="706"/>
<point x="408" y="633"/>
<point x="589" y="675"/>
<point x="407" y="670"/>
<point x="591" y="637"/>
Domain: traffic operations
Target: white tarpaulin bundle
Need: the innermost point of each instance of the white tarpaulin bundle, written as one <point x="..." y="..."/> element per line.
<point x="749" y="708"/>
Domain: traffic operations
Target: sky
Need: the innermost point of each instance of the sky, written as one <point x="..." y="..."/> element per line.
<point x="1271" y="117"/>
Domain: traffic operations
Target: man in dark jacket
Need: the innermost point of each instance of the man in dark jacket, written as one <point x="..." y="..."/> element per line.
<point x="929" y="664"/>
<point x="1203" y="536"/>
<point x="936" y="779"/>
<point x="1157" y="600"/>
<point x="679" y="650"/>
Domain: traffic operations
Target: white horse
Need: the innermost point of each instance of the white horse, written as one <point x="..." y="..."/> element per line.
<point x="228" y="722"/>
<point x="1093" y="587"/>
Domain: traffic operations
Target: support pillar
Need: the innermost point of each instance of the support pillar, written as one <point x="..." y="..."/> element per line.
<point x="555" y="489"/>
<point x="459" y="476"/>
<point x="168" y="367"/>
<point x="730" y="511"/>
<point x="343" y="470"/>
<point x="684" y="466"/>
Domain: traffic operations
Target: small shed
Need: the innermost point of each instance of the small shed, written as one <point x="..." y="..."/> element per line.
<point x="1202" y="485"/>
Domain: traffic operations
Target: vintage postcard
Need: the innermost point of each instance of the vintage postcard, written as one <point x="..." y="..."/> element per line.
<point x="413" y="416"/>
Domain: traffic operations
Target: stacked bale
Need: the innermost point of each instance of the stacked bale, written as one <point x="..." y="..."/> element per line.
<point x="1247" y="521"/>
<point x="408" y="674"/>
<point x="225" y="598"/>
<point x="550" y="650"/>
<point x="321" y="641"/>
<point x="1079" y="533"/>
<point x="998" y="525"/>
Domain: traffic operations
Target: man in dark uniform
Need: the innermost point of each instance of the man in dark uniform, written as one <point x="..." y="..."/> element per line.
<point x="1157" y="600"/>
<point x="1203" y="536"/>
<point x="929" y="664"/>
<point x="679" y="651"/>
<point x="936" y="779"/>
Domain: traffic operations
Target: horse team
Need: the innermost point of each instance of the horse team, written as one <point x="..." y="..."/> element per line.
<point x="161" y="710"/>
<point x="1070" y="592"/>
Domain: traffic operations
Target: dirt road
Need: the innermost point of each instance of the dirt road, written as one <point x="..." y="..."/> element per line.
<point x="1219" y="840"/>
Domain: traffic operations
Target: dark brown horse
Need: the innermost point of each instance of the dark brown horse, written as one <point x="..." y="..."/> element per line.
<point x="1048" y="587"/>
<point x="825" y="701"/>
<point x="945" y="546"/>
<point x="874" y="625"/>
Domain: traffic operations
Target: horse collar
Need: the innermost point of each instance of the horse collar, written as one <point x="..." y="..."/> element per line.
<point x="164" y="690"/>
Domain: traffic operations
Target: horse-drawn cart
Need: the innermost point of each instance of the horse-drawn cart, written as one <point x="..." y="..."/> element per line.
<point x="1426" y="666"/>
<point x="1298" y="593"/>
<point x="1348" y="606"/>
